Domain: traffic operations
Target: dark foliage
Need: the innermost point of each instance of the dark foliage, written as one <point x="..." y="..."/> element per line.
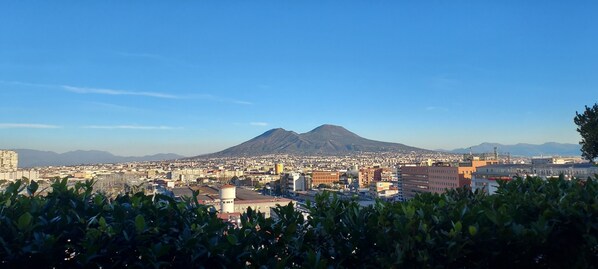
<point x="530" y="223"/>
<point x="587" y="126"/>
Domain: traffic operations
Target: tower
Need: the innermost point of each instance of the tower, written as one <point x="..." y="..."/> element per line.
<point x="227" y="198"/>
<point x="278" y="168"/>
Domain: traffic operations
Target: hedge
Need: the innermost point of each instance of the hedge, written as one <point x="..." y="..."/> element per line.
<point x="529" y="223"/>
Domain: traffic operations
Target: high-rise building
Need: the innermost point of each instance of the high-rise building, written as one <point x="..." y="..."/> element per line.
<point x="278" y="168"/>
<point x="414" y="180"/>
<point x="8" y="161"/>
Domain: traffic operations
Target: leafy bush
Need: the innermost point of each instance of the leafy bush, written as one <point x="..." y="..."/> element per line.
<point x="529" y="223"/>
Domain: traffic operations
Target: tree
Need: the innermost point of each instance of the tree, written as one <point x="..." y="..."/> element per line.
<point x="587" y="126"/>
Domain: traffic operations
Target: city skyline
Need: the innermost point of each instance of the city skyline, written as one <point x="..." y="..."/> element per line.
<point x="194" y="78"/>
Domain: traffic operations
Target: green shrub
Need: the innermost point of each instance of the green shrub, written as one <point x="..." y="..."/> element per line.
<point x="529" y="223"/>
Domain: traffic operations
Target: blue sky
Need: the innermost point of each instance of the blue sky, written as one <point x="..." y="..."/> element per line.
<point x="192" y="77"/>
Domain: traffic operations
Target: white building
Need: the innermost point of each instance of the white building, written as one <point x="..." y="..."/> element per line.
<point x="295" y="182"/>
<point x="14" y="175"/>
<point x="8" y="161"/>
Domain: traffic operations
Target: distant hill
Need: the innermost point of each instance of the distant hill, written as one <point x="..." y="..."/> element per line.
<point x="33" y="158"/>
<point x="528" y="150"/>
<point x="324" y="140"/>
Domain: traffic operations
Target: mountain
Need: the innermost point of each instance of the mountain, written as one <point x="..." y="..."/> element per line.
<point x="33" y="158"/>
<point x="528" y="150"/>
<point x="324" y="140"/>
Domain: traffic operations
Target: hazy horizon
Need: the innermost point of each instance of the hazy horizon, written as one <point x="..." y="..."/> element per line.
<point x="140" y="78"/>
<point x="197" y="154"/>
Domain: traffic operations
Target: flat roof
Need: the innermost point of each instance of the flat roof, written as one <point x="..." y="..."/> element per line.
<point x="547" y="165"/>
<point x="213" y="193"/>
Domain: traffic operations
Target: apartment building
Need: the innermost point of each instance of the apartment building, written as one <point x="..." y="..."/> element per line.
<point x="8" y="161"/>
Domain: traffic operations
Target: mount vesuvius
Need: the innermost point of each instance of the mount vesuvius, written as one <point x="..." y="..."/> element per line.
<point x="324" y="140"/>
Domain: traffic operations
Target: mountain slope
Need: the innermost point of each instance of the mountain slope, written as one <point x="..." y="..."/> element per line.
<point x="523" y="149"/>
<point x="326" y="139"/>
<point x="32" y="158"/>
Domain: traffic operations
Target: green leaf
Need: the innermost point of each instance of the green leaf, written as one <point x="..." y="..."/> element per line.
<point x="473" y="230"/>
<point x="32" y="188"/>
<point x="458" y="226"/>
<point x="24" y="221"/>
<point x="139" y="223"/>
<point x="102" y="222"/>
<point x="232" y="239"/>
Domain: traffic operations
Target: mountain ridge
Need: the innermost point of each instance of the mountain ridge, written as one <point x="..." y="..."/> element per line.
<point x="34" y="158"/>
<point x="326" y="139"/>
<point x="524" y="149"/>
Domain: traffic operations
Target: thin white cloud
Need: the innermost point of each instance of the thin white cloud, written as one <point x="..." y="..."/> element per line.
<point x="113" y="106"/>
<point x="83" y="90"/>
<point x="27" y="84"/>
<point x="115" y="92"/>
<point x="241" y="102"/>
<point x="258" y="123"/>
<point x="27" y="126"/>
<point x="130" y="127"/>
<point x="436" y="108"/>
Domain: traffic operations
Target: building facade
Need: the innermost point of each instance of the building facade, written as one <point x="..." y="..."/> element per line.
<point x="324" y="177"/>
<point x="436" y="178"/>
<point x="486" y="178"/>
<point x="8" y="161"/>
<point x="414" y="180"/>
<point x="278" y="168"/>
<point x="442" y="177"/>
<point x="293" y="182"/>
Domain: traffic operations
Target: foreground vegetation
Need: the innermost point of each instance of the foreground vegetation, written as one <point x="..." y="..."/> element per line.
<point x="530" y="223"/>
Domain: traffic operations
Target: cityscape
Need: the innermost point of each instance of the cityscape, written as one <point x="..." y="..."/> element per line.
<point x="272" y="176"/>
<point x="298" y="134"/>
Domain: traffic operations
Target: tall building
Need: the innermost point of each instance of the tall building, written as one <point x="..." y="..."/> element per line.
<point x="399" y="185"/>
<point x="293" y="182"/>
<point x="278" y="168"/>
<point x="414" y="180"/>
<point x="8" y="161"/>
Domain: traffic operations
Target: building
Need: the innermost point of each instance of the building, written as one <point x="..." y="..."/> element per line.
<point x="400" y="196"/>
<point x="227" y="198"/>
<point x="470" y="165"/>
<point x="231" y="200"/>
<point x="187" y="175"/>
<point x="324" y="177"/>
<point x="442" y="177"/>
<point x="366" y="177"/>
<point x="14" y="175"/>
<point x="278" y="168"/>
<point x="486" y="178"/>
<point x="555" y="160"/>
<point x="293" y="182"/>
<point x="414" y="180"/>
<point x="436" y="178"/>
<point x="8" y="161"/>
<point x="384" y="189"/>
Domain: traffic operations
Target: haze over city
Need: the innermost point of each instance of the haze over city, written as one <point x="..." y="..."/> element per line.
<point x="190" y="78"/>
